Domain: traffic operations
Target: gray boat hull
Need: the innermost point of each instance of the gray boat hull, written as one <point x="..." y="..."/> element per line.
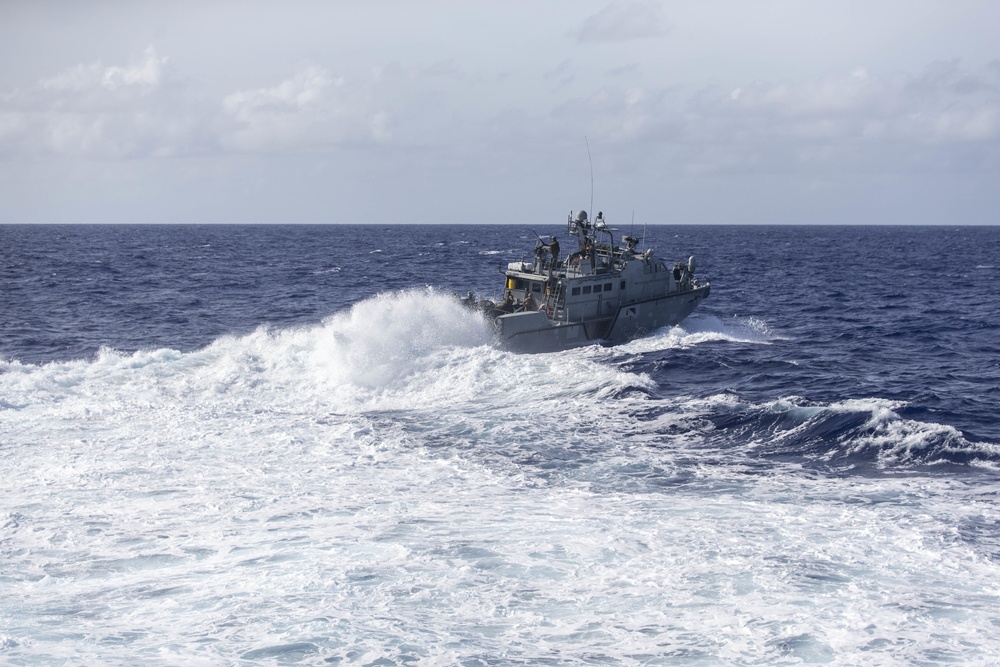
<point x="534" y="332"/>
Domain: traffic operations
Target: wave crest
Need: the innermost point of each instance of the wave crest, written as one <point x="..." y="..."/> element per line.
<point x="851" y="433"/>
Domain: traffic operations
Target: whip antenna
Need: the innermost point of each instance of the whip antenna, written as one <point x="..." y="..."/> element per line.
<point x="589" y="159"/>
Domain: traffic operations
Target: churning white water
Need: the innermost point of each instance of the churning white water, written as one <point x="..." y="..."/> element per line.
<point x="387" y="488"/>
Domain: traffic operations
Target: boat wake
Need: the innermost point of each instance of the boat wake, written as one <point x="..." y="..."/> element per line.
<point x="389" y="462"/>
<point x="418" y="362"/>
<point x="702" y="328"/>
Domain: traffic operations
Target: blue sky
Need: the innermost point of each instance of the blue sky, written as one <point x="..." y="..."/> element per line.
<point x="720" y="111"/>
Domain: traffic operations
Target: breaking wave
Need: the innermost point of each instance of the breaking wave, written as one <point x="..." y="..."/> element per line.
<point x="850" y="434"/>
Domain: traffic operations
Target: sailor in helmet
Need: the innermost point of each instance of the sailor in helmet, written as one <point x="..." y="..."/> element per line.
<point x="553" y="247"/>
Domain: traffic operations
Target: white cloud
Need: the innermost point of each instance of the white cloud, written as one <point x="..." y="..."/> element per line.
<point x="856" y="120"/>
<point x="944" y="118"/>
<point x="94" y="111"/>
<point x="942" y="104"/>
<point x="301" y="90"/>
<point x="128" y="111"/>
<point x="311" y="111"/>
<point x="145" y="74"/>
<point x="141" y="76"/>
<point x="622" y="21"/>
<point x="859" y="119"/>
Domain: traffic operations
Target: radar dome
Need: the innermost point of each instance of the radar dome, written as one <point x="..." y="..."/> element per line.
<point x="581" y="216"/>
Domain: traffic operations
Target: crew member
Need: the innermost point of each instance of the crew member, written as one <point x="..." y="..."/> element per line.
<point x="553" y="247"/>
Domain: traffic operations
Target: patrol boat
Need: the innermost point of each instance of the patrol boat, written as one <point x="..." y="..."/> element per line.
<point x="601" y="293"/>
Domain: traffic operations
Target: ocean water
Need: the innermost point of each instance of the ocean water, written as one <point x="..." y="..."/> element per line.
<point x="289" y="445"/>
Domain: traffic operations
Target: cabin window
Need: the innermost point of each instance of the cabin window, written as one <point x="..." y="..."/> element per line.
<point x="586" y="289"/>
<point x="576" y="291"/>
<point x="536" y="287"/>
<point x="622" y="286"/>
<point x="607" y="287"/>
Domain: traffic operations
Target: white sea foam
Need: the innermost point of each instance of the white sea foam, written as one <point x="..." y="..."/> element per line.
<point x="699" y="329"/>
<point x="387" y="486"/>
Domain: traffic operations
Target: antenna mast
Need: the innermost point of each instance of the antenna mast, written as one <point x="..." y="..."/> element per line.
<point x="589" y="159"/>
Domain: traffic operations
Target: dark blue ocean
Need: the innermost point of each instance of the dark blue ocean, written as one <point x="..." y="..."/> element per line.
<point x="291" y="445"/>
